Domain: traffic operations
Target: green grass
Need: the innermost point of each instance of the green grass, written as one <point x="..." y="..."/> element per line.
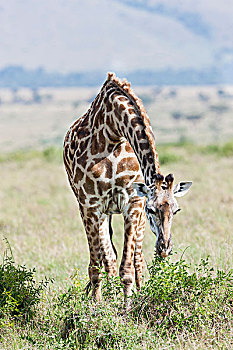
<point x="40" y="218"/>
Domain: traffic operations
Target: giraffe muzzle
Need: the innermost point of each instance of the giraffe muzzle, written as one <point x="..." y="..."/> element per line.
<point x="163" y="249"/>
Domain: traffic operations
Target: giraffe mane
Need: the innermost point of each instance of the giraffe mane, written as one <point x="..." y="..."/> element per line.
<point x="126" y="87"/>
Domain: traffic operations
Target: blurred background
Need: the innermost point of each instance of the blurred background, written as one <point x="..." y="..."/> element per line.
<point x="55" y="55"/>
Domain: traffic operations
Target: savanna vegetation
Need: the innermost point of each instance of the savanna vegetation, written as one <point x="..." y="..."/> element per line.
<point x="186" y="300"/>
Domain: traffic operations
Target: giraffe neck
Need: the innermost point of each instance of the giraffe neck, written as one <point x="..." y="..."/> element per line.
<point x="125" y="117"/>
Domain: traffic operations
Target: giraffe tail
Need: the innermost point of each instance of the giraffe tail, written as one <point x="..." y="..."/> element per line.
<point x="111" y="234"/>
<point x="110" y="227"/>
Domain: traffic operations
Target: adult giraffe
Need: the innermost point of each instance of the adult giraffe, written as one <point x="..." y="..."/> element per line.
<point x="109" y="152"/>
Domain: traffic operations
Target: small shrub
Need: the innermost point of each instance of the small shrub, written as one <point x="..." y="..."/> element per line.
<point x="174" y="298"/>
<point x="52" y="154"/>
<point x="19" y="292"/>
<point x="166" y="157"/>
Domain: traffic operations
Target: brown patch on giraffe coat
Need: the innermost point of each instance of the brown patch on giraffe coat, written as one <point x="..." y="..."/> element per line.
<point x="128" y="148"/>
<point x="120" y="108"/>
<point x="81" y="158"/>
<point x="78" y="175"/>
<point x="109" y="107"/>
<point x="111" y="137"/>
<point x="108" y="167"/>
<point x="129" y="163"/>
<point x="102" y="143"/>
<point x="84" y="144"/>
<point x="117" y="151"/>
<point x="89" y="186"/>
<point x="136" y="121"/>
<point x="104" y="165"/>
<point x="118" y="115"/>
<point x="122" y="99"/>
<point x="93" y="200"/>
<point x="141" y="135"/>
<point x="126" y="120"/>
<point x="103" y="187"/>
<point x="143" y="146"/>
<point x="96" y="242"/>
<point x="82" y="132"/>
<point x="82" y="198"/>
<point x="94" y="145"/>
<point x="108" y="120"/>
<point x="122" y="181"/>
<point x="110" y="147"/>
<point x="72" y="144"/>
<point x="131" y="111"/>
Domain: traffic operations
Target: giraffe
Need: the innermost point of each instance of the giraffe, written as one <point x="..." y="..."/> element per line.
<point x="113" y="167"/>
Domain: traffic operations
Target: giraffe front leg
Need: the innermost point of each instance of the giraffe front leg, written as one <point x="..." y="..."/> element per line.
<point x="94" y="271"/>
<point x="138" y="255"/>
<point x="127" y="270"/>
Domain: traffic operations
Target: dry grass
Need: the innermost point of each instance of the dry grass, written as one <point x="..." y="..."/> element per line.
<point x="40" y="218"/>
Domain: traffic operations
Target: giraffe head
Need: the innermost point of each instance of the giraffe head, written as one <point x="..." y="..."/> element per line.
<point x="161" y="205"/>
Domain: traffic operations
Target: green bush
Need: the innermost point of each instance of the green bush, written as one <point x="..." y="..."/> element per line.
<point x="19" y="292"/>
<point x="225" y="150"/>
<point x="174" y="298"/>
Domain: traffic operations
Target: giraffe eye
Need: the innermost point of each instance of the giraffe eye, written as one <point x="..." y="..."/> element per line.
<point x="176" y="211"/>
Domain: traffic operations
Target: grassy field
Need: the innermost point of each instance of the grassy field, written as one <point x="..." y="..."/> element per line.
<point x="40" y="219"/>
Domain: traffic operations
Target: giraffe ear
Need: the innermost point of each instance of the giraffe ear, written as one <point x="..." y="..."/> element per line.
<point x="140" y="189"/>
<point x="182" y="188"/>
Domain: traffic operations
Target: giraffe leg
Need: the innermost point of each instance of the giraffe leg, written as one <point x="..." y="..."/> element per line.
<point x="100" y="246"/>
<point x="138" y="255"/>
<point x="94" y="270"/>
<point x="131" y="222"/>
<point x="108" y="250"/>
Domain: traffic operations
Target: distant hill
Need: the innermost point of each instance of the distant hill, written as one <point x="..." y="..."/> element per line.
<point x="17" y="76"/>
<point x="167" y="40"/>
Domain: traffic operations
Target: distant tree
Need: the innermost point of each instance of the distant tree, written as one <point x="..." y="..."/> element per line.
<point x="193" y="117"/>
<point x="220" y="109"/>
<point x="172" y="93"/>
<point x="203" y="97"/>
<point x="176" y="115"/>
<point x="36" y="98"/>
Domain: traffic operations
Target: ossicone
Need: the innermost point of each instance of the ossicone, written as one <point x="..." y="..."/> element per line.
<point x="170" y="181"/>
<point x="159" y="180"/>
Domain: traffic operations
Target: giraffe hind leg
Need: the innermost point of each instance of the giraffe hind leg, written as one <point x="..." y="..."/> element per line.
<point x="94" y="269"/>
<point x="108" y="250"/>
<point x="101" y="252"/>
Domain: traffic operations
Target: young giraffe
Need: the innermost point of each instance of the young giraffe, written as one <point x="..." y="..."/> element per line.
<point x="109" y="152"/>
